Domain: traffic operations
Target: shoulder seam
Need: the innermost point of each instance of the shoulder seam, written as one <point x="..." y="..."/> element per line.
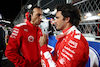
<point x="21" y="24"/>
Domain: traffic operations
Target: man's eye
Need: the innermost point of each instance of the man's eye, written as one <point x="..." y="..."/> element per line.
<point x="56" y="17"/>
<point x="39" y="14"/>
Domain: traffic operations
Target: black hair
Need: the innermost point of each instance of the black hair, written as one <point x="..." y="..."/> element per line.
<point x="68" y="10"/>
<point x="31" y="11"/>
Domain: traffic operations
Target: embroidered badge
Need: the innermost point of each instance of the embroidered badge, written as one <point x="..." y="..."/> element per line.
<point x="30" y="38"/>
<point x="26" y="30"/>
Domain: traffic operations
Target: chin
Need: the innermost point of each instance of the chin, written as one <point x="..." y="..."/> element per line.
<point x="57" y="28"/>
<point x="38" y="23"/>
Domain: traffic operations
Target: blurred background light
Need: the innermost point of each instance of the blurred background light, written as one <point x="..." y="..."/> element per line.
<point x="88" y="14"/>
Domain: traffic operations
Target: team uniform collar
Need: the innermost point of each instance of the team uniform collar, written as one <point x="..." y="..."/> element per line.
<point x="66" y="32"/>
<point x="66" y="29"/>
<point x="30" y="24"/>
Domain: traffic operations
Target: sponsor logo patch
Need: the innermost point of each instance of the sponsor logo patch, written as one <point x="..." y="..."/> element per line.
<point x="14" y="33"/>
<point x="30" y="38"/>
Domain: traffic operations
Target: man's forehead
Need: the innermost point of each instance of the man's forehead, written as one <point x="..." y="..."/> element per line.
<point x="58" y="13"/>
<point x="37" y="10"/>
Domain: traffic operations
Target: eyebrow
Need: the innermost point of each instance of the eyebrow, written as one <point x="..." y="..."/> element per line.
<point x="39" y="14"/>
<point x="56" y="17"/>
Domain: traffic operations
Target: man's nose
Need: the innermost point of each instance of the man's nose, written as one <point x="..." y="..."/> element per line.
<point x="40" y="17"/>
<point x="55" y="21"/>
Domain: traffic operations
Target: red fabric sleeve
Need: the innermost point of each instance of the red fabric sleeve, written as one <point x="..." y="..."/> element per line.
<point x="12" y="49"/>
<point x="71" y="53"/>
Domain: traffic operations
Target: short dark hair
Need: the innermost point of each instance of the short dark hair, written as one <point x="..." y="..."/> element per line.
<point x="31" y="11"/>
<point x="68" y="10"/>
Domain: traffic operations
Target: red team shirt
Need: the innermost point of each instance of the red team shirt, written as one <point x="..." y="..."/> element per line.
<point x="72" y="50"/>
<point x="23" y="46"/>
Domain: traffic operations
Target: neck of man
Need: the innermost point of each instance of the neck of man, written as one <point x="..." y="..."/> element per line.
<point x="33" y="23"/>
<point x="68" y="25"/>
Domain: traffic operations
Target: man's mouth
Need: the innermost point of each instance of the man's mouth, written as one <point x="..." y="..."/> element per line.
<point x="55" y="25"/>
<point x="41" y="21"/>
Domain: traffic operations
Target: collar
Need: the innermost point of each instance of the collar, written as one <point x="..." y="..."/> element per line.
<point x="66" y="32"/>
<point x="66" y="29"/>
<point x="31" y="25"/>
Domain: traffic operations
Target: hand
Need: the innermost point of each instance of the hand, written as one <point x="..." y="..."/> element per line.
<point x="43" y="40"/>
<point x="42" y="63"/>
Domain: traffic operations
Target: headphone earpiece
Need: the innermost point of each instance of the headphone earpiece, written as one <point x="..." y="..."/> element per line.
<point x="27" y="15"/>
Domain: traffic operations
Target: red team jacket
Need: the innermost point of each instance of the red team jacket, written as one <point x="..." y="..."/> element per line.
<point x="72" y="50"/>
<point x="23" y="46"/>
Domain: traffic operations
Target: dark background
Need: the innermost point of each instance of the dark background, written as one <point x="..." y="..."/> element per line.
<point x="10" y="8"/>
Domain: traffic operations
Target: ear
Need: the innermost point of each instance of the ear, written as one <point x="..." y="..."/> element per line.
<point x="67" y="19"/>
<point x="30" y="15"/>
